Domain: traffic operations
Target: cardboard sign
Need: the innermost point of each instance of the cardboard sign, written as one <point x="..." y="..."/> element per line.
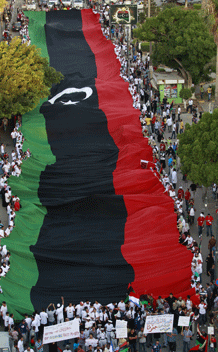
<point x="60" y="332"/>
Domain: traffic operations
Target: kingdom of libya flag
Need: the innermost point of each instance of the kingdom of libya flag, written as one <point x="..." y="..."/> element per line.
<point x="123" y="347"/>
<point x="92" y="220"/>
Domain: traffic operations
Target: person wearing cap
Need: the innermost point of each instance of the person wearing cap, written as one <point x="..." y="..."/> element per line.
<point x="113" y="338"/>
<point x="88" y="322"/>
<point x="109" y="327"/>
<point x="209" y="220"/>
<point x="60" y="312"/>
<point x="187" y="198"/>
<point x="67" y="349"/>
<point x="102" y="338"/>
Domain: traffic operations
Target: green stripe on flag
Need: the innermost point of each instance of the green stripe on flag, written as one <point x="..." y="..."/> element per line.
<point x="23" y="272"/>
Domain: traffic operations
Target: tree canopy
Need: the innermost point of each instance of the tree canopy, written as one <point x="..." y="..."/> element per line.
<point x="2" y="5"/>
<point x="25" y="77"/>
<point x="181" y="40"/>
<point x="198" y="150"/>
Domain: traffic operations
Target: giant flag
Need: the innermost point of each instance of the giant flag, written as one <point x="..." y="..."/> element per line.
<point x="92" y="220"/>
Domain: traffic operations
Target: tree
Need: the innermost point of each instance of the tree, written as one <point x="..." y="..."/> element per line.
<point x="185" y="93"/>
<point x="25" y="78"/>
<point x="2" y="5"/>
<point x="181" y="40"/>
<point x="210" y="14"/>
<point x="198" y="150"/>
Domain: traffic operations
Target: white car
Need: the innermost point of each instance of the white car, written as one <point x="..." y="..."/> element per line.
<point x="67" y="3"/>
<point x="78" y="4"/>
<point x="51" y="3"/>
<point x="31" y="5"/>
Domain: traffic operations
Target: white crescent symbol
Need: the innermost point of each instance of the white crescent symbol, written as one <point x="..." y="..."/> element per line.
<point x="86" y="90"/>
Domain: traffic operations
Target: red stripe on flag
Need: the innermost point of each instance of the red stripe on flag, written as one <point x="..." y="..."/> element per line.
<point x="160" y="263"/>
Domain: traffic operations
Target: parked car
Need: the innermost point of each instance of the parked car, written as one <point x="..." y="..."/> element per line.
<point x="51" y="3"/>
<point x="43" y="3"/>
<point x="67" y="3"/>
<point x="16" y="26"/>
<point x="31" y="5"/>
<point x="78" y="4"/>
<point x="4" y="342"/>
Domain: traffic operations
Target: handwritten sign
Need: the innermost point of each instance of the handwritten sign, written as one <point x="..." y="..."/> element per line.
<point x="183" y="321"/>
<point x="210" y="330"/>
<point x="121" y="329"/>
<point x="60" y="332"/>
<point x="158" y="323"/>
<point x="93" y="342"/>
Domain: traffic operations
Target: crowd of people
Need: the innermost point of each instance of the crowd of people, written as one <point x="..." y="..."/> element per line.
<point x="9" y="201"/>
<point x="97" y="322"/>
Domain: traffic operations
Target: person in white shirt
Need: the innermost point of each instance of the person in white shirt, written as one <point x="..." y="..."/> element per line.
<point x="29" y="349"/>
<point x="60" y="312"/>
<point x="44" y="317"/>
<point x="44" y="320"/>
<point x="3" y="310"/>
<point x="10" y="322"/>
<point x="189" y="240"/>
<point x="14" y="136"/>
<point x="8" y="231"/>
<point x="85" y="314"/>
<point x="2" y="232"/>
<point x="28" y="320"/>
<point x="122" y="307"/>
<point x="20" y="345"/>
<point x="79" y="307"/>
<point x="70" y="311"/>
<point x="97" y="306"/>
<point x="67" y="349"/>
<point x="109" y="327"/>
<point x="6" y="321"/>
<point x="202" y="313"/>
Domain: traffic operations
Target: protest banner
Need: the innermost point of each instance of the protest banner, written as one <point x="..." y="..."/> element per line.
<point x="183" y="321"/>
<point x="158" y="323"/>
<point x="60" y="332"/>
<point x="121" y="329"/>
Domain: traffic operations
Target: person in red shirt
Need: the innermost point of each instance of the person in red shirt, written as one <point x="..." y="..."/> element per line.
<point x="162" y="146"/>
<point x="209" y="220"/>
<point x="17" y="205"/>
<point x="180" y="193"/>
<point x="200" y="221"/>
<point x="187" y="198"/>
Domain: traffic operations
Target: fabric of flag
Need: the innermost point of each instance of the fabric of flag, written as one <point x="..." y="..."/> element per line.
<point x="92" y="220"/>
<point x="134" y="298"/>
<point x="124" y="347"/>
<point x="111" y="347"/>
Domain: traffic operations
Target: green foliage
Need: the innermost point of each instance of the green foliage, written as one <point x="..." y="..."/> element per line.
<point x="141" y="17"/>
<point x="197" y="6"/>
<point x="185" y="93"/>
<point x="192" y="89"/>
<point x="25" y="77"/>
<point x="160" y="69"/>
<point x="145" y="47"/>
<point x="154" y="9"/>
<point x="198" y="150"/>
<point x="180" y="37"/>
